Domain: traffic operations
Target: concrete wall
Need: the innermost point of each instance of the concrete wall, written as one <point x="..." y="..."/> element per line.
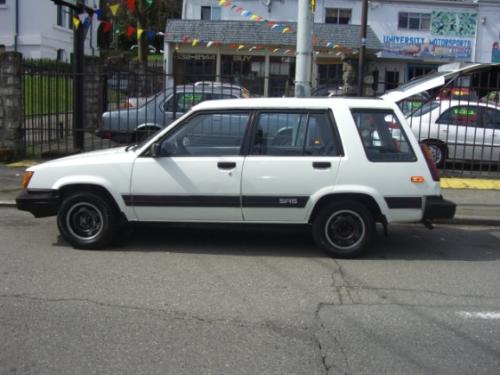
<point x="39" y="35"/>
<point x="11" y="106"/>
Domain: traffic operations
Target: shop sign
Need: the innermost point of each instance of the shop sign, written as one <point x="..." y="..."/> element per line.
<point x="195" y="57"/>
<point x="426" y="47"/>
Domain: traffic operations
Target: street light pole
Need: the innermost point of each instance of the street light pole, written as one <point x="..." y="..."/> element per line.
<point x="362" y="47"/>
<point x="304" y="49"/>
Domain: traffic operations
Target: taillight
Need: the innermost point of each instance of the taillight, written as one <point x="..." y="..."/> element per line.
<point x="430" y="162"/>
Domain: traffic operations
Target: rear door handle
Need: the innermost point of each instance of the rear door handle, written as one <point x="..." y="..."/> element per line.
<point x="226" y="165"/>
<point x="321" y="164"/>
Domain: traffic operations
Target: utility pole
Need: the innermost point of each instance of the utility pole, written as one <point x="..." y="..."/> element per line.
<point x="78" y="69"/>
<point x="362" y="47"/>
<point x="303" y="63"/>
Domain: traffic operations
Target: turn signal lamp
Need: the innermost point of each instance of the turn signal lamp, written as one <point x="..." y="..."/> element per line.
<point x="26" y="179"/>
<point x="417" y="179"/>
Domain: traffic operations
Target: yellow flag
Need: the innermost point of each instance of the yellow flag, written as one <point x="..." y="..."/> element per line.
<point x="241" y="46"/>
<point x="195" y="42"/>
<point x="139" y="33"/>
<point x="253" y="17"/>
<point x="114" y="8"/>
<point x="285" y="30"/>
<point x="222" y="2"/>
<point x="76" y="22"/>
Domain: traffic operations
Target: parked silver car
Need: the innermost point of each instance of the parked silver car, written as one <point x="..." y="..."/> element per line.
<point x="132" y="124"/>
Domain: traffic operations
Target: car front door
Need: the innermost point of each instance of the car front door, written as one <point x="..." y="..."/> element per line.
<point x="293" y="155"/>
<point x="195" y="174"/>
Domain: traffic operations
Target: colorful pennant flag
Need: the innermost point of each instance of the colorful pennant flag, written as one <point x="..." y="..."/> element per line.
<point x="195" y="42"/>
<point x="131" y="6"/>
<point x="107" y="26"/>
<point x="209" y="44"/>
<point x="150" y="35"/>
<point x="76" y="22"/>
<point x="149" y="2"/>
<point x="130" y="31"/>
<point x="114" y="9"/>
<point x="139" y="33"/>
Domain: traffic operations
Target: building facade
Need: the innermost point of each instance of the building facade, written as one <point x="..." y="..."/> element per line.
<point x="405" y="38"/>
<point x="42" y="30"/>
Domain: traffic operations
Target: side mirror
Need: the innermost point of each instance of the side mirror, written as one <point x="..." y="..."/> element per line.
<point x="154" y="150"/>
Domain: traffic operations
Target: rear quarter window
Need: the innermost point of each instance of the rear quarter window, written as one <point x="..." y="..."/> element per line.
<point x="382" y="136"/>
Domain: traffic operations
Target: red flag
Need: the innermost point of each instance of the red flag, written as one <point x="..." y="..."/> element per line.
<point x="131" y="5"/>
<point x="107" y="26"/>
<point x="130" y="31"/>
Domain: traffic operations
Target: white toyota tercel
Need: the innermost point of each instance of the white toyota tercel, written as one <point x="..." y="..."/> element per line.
<point x="340" y="165"/>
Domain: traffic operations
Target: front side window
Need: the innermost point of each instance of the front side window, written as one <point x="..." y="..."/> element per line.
<point x="383" y="138"/>
<point x="294" y="134"/>
<point x="339" y="16"/>
<point x="414" y="21"/>
<point x="209" y="134"/>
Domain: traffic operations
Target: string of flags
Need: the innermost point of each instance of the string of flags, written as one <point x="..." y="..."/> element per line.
<point x="85" y="19"/>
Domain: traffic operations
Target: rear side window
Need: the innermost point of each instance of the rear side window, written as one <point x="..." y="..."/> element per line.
<point x="294" y="134"/>
<point x="383" y="138"/>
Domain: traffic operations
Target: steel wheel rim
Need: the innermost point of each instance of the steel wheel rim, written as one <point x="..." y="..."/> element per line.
<point x="436" y="152"/>
<point x="345" y="229"/>
<point x="84" y="221"/>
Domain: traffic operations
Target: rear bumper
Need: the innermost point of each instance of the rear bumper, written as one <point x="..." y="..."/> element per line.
<point x="40" y="203"/>
<point x="438" y="208"/>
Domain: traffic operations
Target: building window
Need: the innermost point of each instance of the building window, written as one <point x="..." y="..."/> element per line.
<point x="414" y="21"/>
<point x="64" y="17"/>
<point x="210" y="13"/>
<point x="391" y="80"/>
<point x="339" y="16"/>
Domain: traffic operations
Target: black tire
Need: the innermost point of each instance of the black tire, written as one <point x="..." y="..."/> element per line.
<point x="439" y="153"/>
<point x="87" y="220"/>
<point x="344" y="229"/>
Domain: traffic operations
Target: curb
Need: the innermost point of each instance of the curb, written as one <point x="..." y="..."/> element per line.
<point x="469" y="183"/>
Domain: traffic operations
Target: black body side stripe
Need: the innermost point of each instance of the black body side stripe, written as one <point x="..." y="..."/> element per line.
<point x="404" y="202"/>
<point x="181" y="201"/>
<point x="282" y="202"/>
<point x="213" y="201"/>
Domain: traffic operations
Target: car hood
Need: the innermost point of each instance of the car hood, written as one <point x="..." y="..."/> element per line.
<point x="431" y="81"/>
<point x="94" y="156"/>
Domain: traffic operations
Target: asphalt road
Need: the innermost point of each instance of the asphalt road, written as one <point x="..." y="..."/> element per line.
<point x="238" y="300"/>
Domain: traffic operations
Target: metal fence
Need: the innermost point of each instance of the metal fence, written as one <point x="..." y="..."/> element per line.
<point x="125" y="102"/>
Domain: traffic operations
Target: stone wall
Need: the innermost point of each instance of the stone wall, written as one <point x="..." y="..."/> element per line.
<point x="11" y="106"/>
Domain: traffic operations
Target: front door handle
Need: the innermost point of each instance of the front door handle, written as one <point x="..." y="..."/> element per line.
<point x="321" y="164"/>
<point x="226" y="165"/>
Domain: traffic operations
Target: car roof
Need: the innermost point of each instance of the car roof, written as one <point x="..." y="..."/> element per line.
<point x="293" y="103"/>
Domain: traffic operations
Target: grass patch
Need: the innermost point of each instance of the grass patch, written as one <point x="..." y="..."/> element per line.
<point x="44" y="94"/>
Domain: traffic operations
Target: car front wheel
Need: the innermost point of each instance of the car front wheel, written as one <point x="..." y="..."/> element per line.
<point x="87" y="220"/>
<point x="344" y="229"/>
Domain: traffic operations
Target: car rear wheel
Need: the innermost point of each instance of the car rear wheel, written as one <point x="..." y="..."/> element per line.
<point x="87" y="220"/>
<point x="438" y="151"/>
<point x="344" y="229"/>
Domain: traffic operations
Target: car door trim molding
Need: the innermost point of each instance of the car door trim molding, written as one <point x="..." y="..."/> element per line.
<point x="215" y="201"/>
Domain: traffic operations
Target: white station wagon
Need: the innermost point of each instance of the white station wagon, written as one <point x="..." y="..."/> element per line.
<point x="340" y="165"/>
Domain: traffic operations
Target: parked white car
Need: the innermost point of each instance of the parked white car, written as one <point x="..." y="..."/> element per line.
<point x="458" y="130"/>
<point x="332" y="163"/>
<point x="453" y="121"/>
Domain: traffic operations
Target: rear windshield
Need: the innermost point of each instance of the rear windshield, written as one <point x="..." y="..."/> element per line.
<point x="383" y="138"/>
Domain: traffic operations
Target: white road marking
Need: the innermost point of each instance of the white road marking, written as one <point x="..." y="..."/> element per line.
<point x="488" y="315"/>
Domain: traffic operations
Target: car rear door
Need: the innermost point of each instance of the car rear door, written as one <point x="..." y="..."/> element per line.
<point x="293" y="154"/>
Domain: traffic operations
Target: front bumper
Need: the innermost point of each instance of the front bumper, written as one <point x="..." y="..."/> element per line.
<point x="40" y="202"/>
<point x="438" y="208"/>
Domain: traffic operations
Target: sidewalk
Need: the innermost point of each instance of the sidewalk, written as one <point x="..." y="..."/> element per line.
<point x="478" y="200"/>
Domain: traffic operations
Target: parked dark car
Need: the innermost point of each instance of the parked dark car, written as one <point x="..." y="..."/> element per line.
<point x="158" y="111"/>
